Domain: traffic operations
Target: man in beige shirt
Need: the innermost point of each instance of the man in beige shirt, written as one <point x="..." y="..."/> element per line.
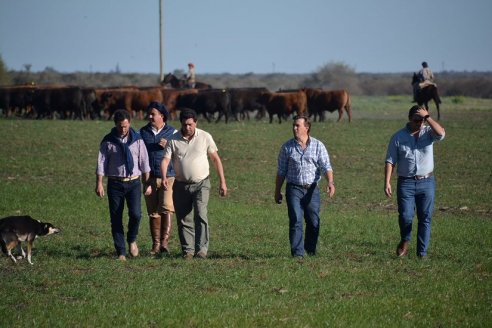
<point x="188" y="151"/>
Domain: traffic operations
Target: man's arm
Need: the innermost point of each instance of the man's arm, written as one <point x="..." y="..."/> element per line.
<point x="388" y="171"/>
<point x="220" y="172"/>
<point x="330" y="189"/>
<point x="164" y="164"/>
<point x="99" y="186"/>
<point x="279" y="181"/>
<point x="435" y="126"/>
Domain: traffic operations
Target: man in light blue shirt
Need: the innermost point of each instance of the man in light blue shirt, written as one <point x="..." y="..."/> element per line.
<point x="411" y="150"/>
<point x="301" y="161"/>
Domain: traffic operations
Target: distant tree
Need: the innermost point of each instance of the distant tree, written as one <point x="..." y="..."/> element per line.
<point x="179" y="73"/>
<point x="334" y="75"/>
<point x="49" y="76"/>
<point x="4" y="75"/>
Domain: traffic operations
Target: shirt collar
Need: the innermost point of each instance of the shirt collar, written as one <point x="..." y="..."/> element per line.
<point x="155" y="130"/>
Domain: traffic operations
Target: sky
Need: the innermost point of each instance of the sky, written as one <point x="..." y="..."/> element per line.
<point x="246" y="36"/>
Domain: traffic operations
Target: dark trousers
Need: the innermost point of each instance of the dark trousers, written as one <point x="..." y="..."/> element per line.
<point x="118" y="192"/>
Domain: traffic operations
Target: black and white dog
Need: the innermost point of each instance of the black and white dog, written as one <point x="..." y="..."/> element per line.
<point x="16" y="229"/>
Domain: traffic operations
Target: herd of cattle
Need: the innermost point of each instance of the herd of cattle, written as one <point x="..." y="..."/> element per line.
<point x="74" y="102"/>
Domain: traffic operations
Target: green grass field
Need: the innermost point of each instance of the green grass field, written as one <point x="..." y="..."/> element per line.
<point x="47" y="170"/>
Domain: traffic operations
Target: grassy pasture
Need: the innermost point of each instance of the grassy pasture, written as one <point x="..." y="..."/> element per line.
<point x="47" y="171"/>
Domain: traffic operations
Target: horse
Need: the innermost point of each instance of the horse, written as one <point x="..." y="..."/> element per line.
<point x="428" y="93"/>
<point x="181" y="83"/>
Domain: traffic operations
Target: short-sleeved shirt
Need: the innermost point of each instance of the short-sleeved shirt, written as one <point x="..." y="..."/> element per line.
<point x="303" y="166"/>
<point x="190" y="157"/>
<point x="412" y="156"/>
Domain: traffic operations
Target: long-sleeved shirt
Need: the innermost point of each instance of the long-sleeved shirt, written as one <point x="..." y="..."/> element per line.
<point x="111" y="160"/>
<point x="303" y="166"/>
<point x="412" y="156"/>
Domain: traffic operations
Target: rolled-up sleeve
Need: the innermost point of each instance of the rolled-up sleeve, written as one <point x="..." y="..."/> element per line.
<point x="392" y="152"/>
<point x="144" y="165"/>
<point x="101" y="160"/>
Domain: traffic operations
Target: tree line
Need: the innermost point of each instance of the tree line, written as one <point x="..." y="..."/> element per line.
<point x="331" y="76"/>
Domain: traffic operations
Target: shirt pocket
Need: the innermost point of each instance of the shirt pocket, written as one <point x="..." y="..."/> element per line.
<point x="405" y="150"/>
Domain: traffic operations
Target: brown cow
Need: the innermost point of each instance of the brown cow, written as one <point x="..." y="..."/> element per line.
<point x="320" y="100"/>
<point x="144" y="97"/>
<point x="133" y="99"/>
<point x="111" y="99"/>
<point x="284" y="104"/>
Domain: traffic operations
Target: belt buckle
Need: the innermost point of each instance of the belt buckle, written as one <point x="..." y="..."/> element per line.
<point x="128" y="179"/>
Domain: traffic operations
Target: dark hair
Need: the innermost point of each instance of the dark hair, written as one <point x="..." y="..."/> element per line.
<point x="160" y="107"/>
<point x="307" y="122"/>
<point x="413" y="111"/>
<point x="187" y="113"/>
<point x="120" y="115"/>
<point x="424" y="64"/>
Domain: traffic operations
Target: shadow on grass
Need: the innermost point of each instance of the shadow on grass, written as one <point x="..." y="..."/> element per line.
<point x="81" y="252"/>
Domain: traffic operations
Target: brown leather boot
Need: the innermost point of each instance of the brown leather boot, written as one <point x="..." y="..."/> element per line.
<point x="166" y="224"/>
<point x="402" y="248"/>
<point x="155" y="232"/>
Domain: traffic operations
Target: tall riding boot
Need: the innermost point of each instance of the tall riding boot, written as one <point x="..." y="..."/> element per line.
<point x="166" y="223"/>
<point x="155" y="232"/>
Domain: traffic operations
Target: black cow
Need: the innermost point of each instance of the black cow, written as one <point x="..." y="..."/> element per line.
<point x="207" y="102"/>
<point x="17" y="100"/>
<point x="90" y="108"/>
<point x="245" y="100"/>
<point x="64" y="102"/>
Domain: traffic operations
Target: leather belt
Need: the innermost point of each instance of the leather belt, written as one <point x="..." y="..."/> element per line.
<point x="417" y="177"/>
<point x="306" y="186"/>
<point x="121" y="179"/>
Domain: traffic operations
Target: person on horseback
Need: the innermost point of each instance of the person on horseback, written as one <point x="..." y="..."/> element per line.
<point x="191" y="76"/>
<point x="425" y="78"/>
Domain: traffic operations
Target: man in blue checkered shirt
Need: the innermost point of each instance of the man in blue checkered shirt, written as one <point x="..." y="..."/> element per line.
<point x="302" y="161"/>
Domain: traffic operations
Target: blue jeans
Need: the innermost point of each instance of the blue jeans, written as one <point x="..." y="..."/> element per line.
<point x="303" y="205"/>
<point x="118" y="192"/>
<point x="419" y="195"/>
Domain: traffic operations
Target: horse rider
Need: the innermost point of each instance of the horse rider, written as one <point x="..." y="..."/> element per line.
<point x="425" y="79"/>
<point x="191" y="76"/>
